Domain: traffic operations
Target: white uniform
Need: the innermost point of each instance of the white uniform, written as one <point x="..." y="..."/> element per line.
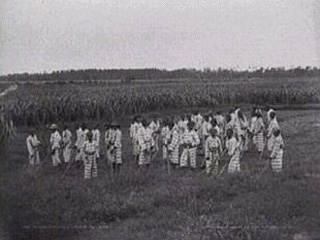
<point x="190" y="140"/>
<point x="155" y="128"/>
<point x="165" y="137"/>
<point x="206" y="127"/>
<point x="66" y="141"/>
<point x="32" y="145"/>
<point x="55" y="148"/>
<point x="79" y="144"/>
<point x="268" y="115"/>
<point x="109" y="139"/>
<point x="258" y="132"/>
<point x="241" y="130"/>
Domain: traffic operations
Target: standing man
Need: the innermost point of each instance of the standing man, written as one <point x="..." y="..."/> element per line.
<point x="32" y="145"/>
<point x="190" y="140"/>
<point x="55" y="145"/>
<point x="90" y="157"/>
<point x="66" y="144"/>
<point x="96" y="138"/>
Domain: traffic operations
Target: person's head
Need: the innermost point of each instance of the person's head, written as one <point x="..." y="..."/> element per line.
<point x="96" y="126"/>
<point x="229" y="133"/>
<point x="83" y="126"/>
<point x="228" y="118"/>
<point x="32" y="132"/>
<point x="214" y="122"/>
<point x="53" y="127"/>
<point x="259" y="115"/>
<point x="277" y="132"/>
<point x="190" y="126"/>
<point x="219" y="112"/>
<point x="65" y="126"/>
<point x="144" y="122"/>
<point x="213" y="132"/>
<point x="272" y="115"/>
<point x="206" y="118"/>
<point x="89" y="136"/>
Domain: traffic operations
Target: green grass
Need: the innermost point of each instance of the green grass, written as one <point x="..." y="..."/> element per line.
<point x="150" y="204"/>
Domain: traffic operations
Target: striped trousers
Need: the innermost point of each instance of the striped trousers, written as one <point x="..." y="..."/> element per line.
<point x="144" y="158"/>
<point x="56" y="158"/>
<point x="234" y="164"/>
<point x="276" y="163"/>
<point x="90" y="166"/>
<point x="212" y="165"/>
<point x="188" y="153"/>
<point x="174" y="156"/>
<point x="259" y="141"/>
<point x="116" y="155"/>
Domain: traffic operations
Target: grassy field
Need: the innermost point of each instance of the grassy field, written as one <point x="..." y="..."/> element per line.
<point x="150" y="204"/>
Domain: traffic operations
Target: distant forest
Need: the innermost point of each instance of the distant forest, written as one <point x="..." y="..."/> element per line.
<point x="129" y="75"/>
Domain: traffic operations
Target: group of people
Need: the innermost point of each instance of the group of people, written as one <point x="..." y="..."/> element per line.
<point x="214" y="135"/>
<point x="180" y="139"/>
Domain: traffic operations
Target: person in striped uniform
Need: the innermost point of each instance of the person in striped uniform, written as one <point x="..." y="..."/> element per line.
<point x="146" y="144"/>
<point x="79" y="144"/>
<point x="233" y="148"/>
<point x="66" y="143"/>
<point x="190" y="140"/>
<point x="258" y="133"/>
<point x="173" y="144"/>
<point x="155" y="128"/>
<point x="109" y="139"/>
<point x="269" y="111"/>
<point x="32" y="146"/>
<point x="165" y="136"/>
<point x="90" y="157"/>
<point x="96" y="138"/>
<point x="206" y="128"/>
<point x="277" y="152"/>
<point x="117" y="150"/>
<point x="55" y="139"/>
<point x="252" y="126"/>
<point x="273" y="125"/>
<point x="242" y="125"/>
<point x="214" y="147"/>
<point x="134" y="129"/>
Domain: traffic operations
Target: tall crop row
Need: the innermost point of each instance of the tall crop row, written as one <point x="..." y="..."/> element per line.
<point x="47" y="103"/>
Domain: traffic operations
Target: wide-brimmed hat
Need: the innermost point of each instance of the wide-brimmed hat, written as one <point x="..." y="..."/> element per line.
<point x="53" y="126"/>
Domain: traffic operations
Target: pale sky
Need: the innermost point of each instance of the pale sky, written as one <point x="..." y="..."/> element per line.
<point x="48" y="35"/>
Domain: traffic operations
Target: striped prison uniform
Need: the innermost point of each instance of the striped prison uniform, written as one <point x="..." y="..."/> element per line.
<point x="206" y="127"/>
<point x="273" y="125"/>
<point x="81" y="137"/>
<point x="90" y="159"/>
<point x="155" y="128"/>
<point x="117" y="150"/>
<point x="165" y="137"/>
<point x="32" y="146"/>
<point x="277" y="154"/>
<point x="251" y="129"/>
<point x="96" y="138"/>
<point x="66" y="141"/>
<point x="109" y="139"/>
<point x="55" y="148"/>
<point x="146" y="142"/>
<point x="233" y="148"/>
<point x="173" y="146"/>
<point x="190" y="140"/>
<point x="258" y="132"/>
<point x="213" y="144"/>
<point x="134" y="129"/>
<point x="242" y="131"/>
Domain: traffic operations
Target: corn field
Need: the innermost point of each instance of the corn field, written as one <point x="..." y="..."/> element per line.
<point x="45" y="103"/>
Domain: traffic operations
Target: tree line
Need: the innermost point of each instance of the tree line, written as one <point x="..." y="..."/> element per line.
<point x="129" y="75"/>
